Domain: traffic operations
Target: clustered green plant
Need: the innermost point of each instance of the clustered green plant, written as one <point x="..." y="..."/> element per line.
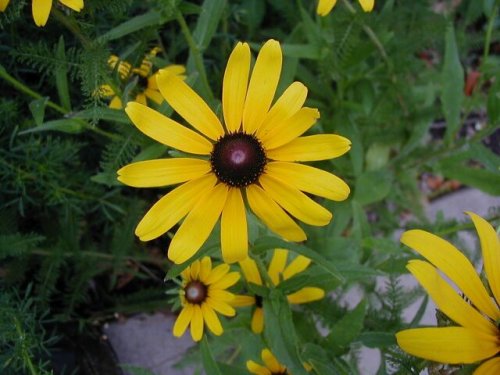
<point x="412" y="85"/>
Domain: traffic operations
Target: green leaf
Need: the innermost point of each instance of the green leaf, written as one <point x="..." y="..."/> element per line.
<point x="103" y="113"/>
<point x="493" y="104"/>
<point x="37" y="108"/>
<point x="267" y="243"/>
<point x="209" y="363"/>
<point x="377" y="156"/>
<point x="72" y="126"/>
<point x="377" y="339"/>
<point x="211" y="13"/>
<point x="61" y="75"/>
<point x="152" y="18"/>
<point x="303" y="51"/>
<point x="280" y="334"/>
<point x="347" y="329"/>
<point x="452" y="80"/>
<point x="360" y="227"/>
<point x="151" y="152"/>
<point x="482" y="179"/>
<point x="373" y="186"/>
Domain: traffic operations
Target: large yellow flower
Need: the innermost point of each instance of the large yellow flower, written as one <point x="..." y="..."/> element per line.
<point x="277" y="271"/>
<point x="477" y="335"/>
<point x="251" y="157"/>
<point x="147" y="87"/>
<point x="325" y="6"/>
<point x="203" y="294"/>
<point x="41" y="8"/>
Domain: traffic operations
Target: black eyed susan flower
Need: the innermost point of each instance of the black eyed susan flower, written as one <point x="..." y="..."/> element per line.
<point x="278" y="270"/>
<point x="146" y="87"/>
<point x="252" y="158"/>
<point x="325" y="6"/>
<point x="476" y="336"/>
<point x="41" y="8"/>
<point x="203" y="294"/>
<point x="271" y="365"/>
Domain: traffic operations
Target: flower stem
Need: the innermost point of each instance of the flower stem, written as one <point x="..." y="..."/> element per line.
<point x="197" y="56"/>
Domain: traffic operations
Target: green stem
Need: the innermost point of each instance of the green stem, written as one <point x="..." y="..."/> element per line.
<point x="197" y="56"/>
<point x="26" y="356"/>
<point x="71" y="26"/>
<point x="489" y="31"/>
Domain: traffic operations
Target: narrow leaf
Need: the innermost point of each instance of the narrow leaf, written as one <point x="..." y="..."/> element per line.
<point x="209" y="363"/>
<point x="37" y="108"/>
<point x="61" y="74"/>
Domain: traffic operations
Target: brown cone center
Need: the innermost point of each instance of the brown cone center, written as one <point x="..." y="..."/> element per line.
<point x="195" y="292"/>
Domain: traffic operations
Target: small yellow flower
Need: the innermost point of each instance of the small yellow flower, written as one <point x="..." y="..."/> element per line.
<point x="147" y="87"/>
<point x="476" y="337"/>
<point x="325" y="6"/>
<point x="250" y="157"/>
<point x="203" y="294"/>
<point x="271" y="365"/>
<point x="277" y="271"/>
<point x="41" y="8"/>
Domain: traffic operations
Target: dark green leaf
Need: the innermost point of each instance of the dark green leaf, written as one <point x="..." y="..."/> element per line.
<point x="452" y="76"/>
<point x="482" y="179"/>
<point x="61" y="74"/>
<point x="377" y="339"/>
<point x="209" y="363"/>
<point x="37" y="108"/>
<point x="373" y="186"/>
<point x="493" y="104"/>
<point x="72" y="126"/>
<point x="347" y="329"/>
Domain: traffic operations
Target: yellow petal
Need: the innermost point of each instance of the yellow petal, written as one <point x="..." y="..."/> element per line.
<point x="217" y="273"/>
<point x="205" y="269"/>
<point x="234" y="233"/>
<point x="211" y="319"/>
<point x="277" y="265"/>
<point x="299" y="264"/>
<point x="257" y="369"/>
<point x="286" y="106"/>
<point x="162" y="172"/>
<point x="189" y="105"/>
<point x="306" y="295"/>
<point x="141" y="99"/>
<point x="325" y="7"/>
<point x="250" y="270"/>
<point x="221" y="295"/>
<point x="448" y="344"/>
<point x="167" y="131"/>
<point x="195" y="269"/>
<point x="221" y="307"/>
<point x="490" y="246"/>
<point x="262" y="86"/>
<point x="295" y="202"/>
<point x="291" y="128"/>
<point x="3" y="5"/>
<point x="311" y="148"/>
<point x="489" y="367"/>
<point x="197" y="225"/>
<point x="234" y="87"/>
<point x="197" y="323"/>
<point x="309" y="179"/>
<point x="172" y="207"/>
<point x="243" y="301"/>
<point x="183" y="320"/>
<point x="227" y="281"/>
<point x="271" y="361"/>
<point x="154" y="95"/>
<point x="447" y="299"/>
<point x="367" y="5"/>
<point x="257" y="323"/>
<point x="273" y="215"/>
<point x="178" y="70"/>
<point x="453" y="264"/>
<point x="76" y="5"/>
<point x="41" y="11"/>
<point x="116" y="103"/>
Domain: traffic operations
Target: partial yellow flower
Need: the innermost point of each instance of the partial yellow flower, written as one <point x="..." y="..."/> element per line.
<point x="147" y="87"/>
<point x="476" y="338"/>
<point x="41" y="8"/>
<point x="325" y="6"/>
<point x="278" y="271"/>
<point x="203" y="294"/>
<point x="271" y="365"/>
<point x="251" y="158"/>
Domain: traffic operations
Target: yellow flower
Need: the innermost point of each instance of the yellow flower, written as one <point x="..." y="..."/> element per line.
<point x="148" y="88"/>
<point x="251" y="157"/>
<point x="325" y="6"/>
<point x="477" y="335"/>
<point x="203" y="294"/>
<point x="271" y="365"/>
<point x="277" y="271"/>
<point x="41" y="8"/>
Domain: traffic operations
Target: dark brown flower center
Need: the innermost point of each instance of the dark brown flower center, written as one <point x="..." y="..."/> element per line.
<point x="258" y="301"/>
<point x="195" y="292"/>
<point x="238" y="159"/>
